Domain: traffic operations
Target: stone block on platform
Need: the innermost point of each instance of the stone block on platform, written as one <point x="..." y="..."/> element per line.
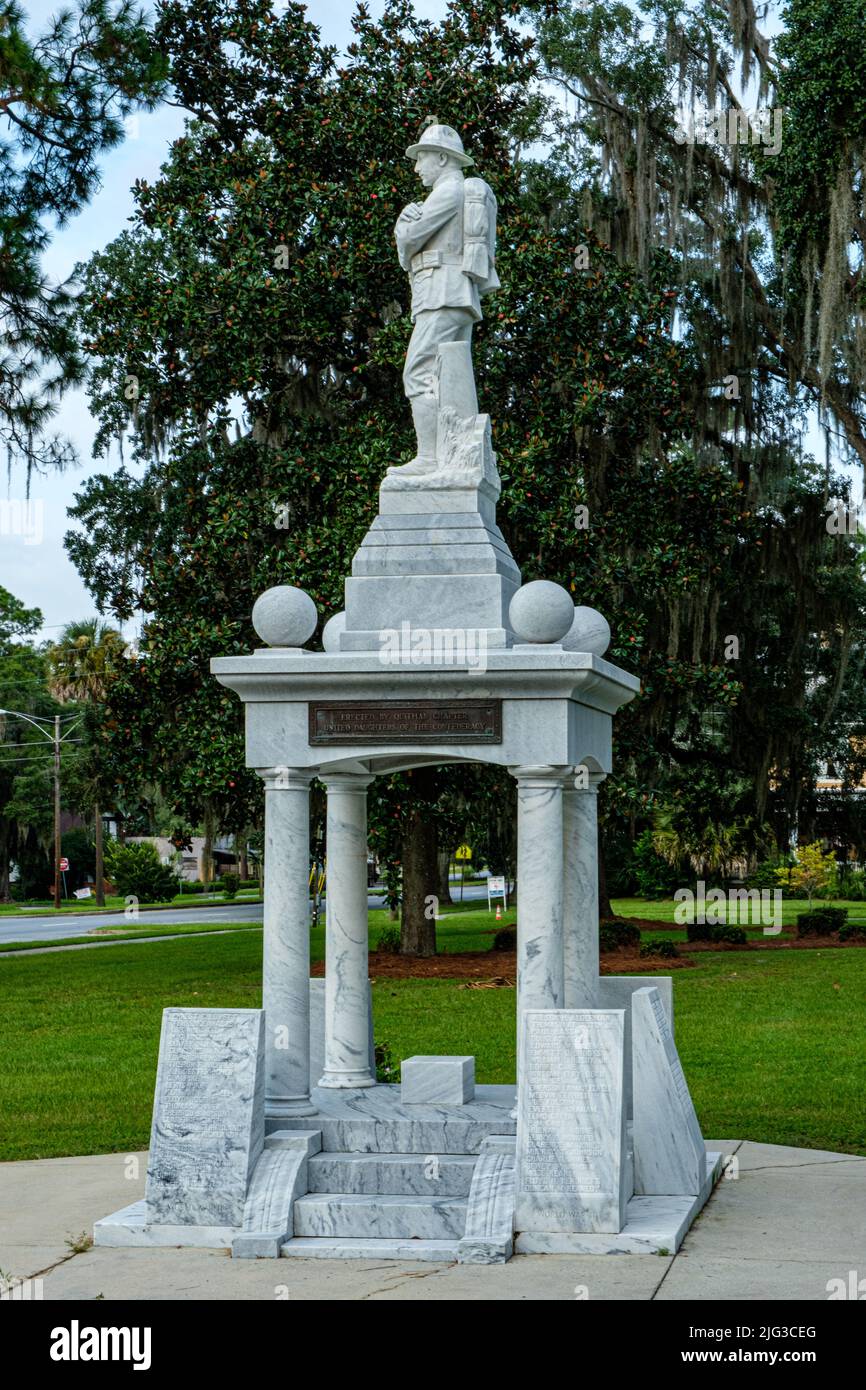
<point x="438" y="1080"/>
<point x="668" y="1144"/>
<point x="208" y="1116"/>
<point x="571" y="1125"/>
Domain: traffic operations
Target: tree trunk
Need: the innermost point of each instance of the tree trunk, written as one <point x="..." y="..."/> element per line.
<point x="605" y="910"/>
<point x="420" y="883"/>
<point x="99" y="871"/>
<point x="243" y="862"/>
<point x="443" y="859"/>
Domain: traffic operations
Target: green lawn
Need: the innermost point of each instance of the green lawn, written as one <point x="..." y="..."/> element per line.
<point x="772" y="1041"/>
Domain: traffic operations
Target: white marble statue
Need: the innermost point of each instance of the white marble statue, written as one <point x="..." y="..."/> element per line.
<point x="448" y="246"/>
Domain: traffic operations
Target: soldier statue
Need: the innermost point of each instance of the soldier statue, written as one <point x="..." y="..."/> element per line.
<point x="448" y="246"/>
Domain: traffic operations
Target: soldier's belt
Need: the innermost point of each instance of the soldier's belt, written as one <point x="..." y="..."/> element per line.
<point x="428" y="260"/>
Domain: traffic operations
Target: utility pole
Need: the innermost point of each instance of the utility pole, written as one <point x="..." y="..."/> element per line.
<point x="56" y="812"/>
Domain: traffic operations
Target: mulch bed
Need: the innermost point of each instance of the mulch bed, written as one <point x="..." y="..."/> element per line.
<point x="498" y="969"/>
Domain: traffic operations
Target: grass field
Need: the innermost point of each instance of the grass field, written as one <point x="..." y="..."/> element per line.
<point x="772" y="1041"/>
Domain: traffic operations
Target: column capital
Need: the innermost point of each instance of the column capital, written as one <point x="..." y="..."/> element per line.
<point x="292" y="779"/>
<point x="345" y="781"/>
<point x="583" y="780"/>
<point x="541" y="775"/>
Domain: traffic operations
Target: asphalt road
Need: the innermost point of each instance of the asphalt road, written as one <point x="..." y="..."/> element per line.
<point x="52" y="928"/>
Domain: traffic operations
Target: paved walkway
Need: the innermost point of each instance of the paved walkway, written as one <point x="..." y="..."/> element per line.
<point x="785" y="1223"/>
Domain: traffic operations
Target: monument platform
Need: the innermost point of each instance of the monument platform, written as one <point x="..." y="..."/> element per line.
<point x="395" y="1181"/>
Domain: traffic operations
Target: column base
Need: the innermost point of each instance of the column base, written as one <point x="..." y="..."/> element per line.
<point x="283" y="1108"/>
<point x="346" y="1080"/>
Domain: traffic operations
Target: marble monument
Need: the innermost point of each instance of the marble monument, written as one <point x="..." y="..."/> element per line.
<point x="441" y="654"/>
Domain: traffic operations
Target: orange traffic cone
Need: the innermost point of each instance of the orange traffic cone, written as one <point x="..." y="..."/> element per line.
<point x="498" y="913"/>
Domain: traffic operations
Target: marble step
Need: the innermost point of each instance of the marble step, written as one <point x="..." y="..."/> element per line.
<point x="331" y="1214"/>
<point x="427" y="1175"/>
<point x="360" y="1248"/>
<point x="359" y="1133"/>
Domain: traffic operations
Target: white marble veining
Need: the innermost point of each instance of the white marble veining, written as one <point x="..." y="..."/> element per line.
<point x="208" y="1116"/>
<point x="615" y="992"/>
<point x="668" y="1144"/>
<point x="280" y="1178"/>
<point x="404" y="1217"/>
<point x="489" y="1234"/>
<point x="347" y="990"/>
<point x="653" y="1226"/>
<point x="437" y="1080"/>
<point x="317" y="1029"/>
<point x="376" y="1121"/>
<point x="286" y="952"/>
<point x="580" y="894"/>
<point x="571" y="1126"/>
<point x="426" y="1175"/>
<point x="539" y="890"/>
<point x="365" y="1248"/>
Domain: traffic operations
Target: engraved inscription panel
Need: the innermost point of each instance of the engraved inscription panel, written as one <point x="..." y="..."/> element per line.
<point x="208" y="1117"/>
<point x="405" y="721"/>
<point x="570" y="1121"/>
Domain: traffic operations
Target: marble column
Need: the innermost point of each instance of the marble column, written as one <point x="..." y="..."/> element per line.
<point x="580" y="897"/>
<point x="347" y="996"/>
<point x="539" y="889"/>
<point x="286" y="965"/>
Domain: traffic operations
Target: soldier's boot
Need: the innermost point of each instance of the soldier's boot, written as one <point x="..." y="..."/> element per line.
<point x="425" y="411"/>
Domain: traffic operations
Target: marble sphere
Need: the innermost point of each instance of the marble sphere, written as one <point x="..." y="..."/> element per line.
<point x="284" y="616"/>
<point x="332" y="631"/>
<point x="541" y="611"/>
<point x="589" y="632"/>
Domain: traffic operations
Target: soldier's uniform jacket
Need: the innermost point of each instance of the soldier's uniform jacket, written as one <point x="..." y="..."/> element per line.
<point x="430" y="248"/>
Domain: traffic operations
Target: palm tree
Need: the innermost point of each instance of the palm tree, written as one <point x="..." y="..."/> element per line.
<point x="79" y="667"/>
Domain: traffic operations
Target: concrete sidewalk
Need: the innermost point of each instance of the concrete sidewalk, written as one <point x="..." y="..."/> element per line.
<point x="785" y="1222"/>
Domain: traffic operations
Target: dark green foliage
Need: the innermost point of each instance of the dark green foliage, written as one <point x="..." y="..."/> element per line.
<point x="616" y="936"/>
<point x="654" y="876"/>
<point x="505" y="939"/>
<point x="719" y="933"/>
<point x="78" y="847"/>
<point x="665" y="949"/>
<point x="389" y="940"/>
<point x="229" y="884"/>
<point x="387" y="1069"/>
<point x="822" y="921"/>
<point x="64" y="98"/>
<point x="852" y="931"/>
<point x="136" y="871"/>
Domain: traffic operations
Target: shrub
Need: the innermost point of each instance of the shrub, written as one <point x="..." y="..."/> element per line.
<point x="821" y="921"/>
<point x="136" y="871"/>
<point x="614" y="935"/>
<point x="229" y="884"/>
<point x="659" y="948"/>
<point x="387" y="1070"/>
<point x="505" y="939"/>
<point x="655" y="877"/>
<point x="852" y="931"/>
<point x="730" y="935"/>
<point x="718" y="933"/>
<point x="852" y="885"/>
<point x="389" y="940"/>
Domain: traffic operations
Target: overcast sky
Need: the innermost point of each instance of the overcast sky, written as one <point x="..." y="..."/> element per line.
<point x="35" y="567"/>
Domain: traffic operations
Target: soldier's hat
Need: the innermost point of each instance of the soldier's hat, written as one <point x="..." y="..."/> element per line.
<point x="444" y="138"/>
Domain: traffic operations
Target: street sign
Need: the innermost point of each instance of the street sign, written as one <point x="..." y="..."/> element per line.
<point x="64" y="865"/>
<point x="496" y="889"/>
<point x="463" y="852"/>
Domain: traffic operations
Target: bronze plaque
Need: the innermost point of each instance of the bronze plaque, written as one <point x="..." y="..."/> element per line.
<point x="405" y="721"/>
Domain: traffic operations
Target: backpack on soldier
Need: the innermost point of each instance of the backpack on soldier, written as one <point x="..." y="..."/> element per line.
<point x="479" y="235"/>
